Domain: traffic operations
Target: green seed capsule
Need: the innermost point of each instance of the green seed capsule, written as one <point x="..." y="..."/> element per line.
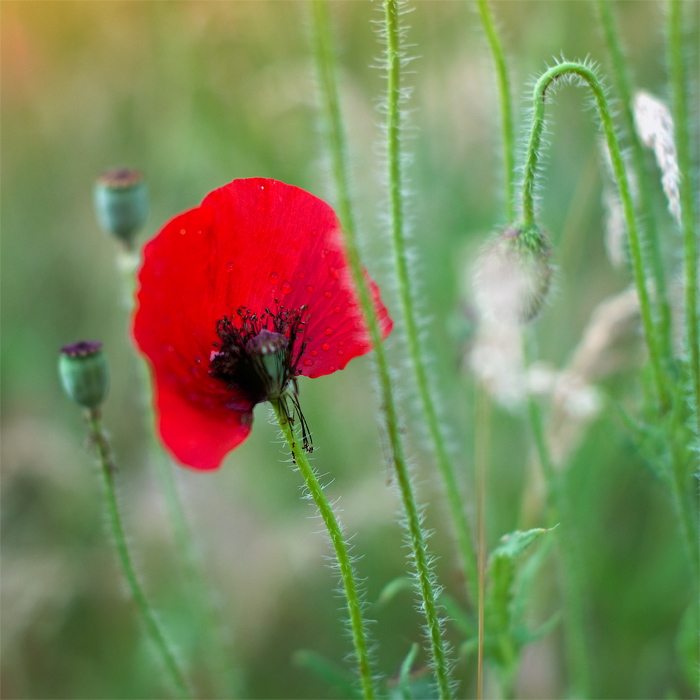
<point x="121" y="203"/>
<point x="84" y="373"/>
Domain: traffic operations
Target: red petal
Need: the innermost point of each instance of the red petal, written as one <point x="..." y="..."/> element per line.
<point x="253" y="243"/>
<point x="199" y="436"/>
<point x="288" y="247"/>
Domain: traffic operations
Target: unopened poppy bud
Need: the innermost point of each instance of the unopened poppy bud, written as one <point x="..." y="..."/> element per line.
<point x="513" y="275"/>
<point x="121" y="203"/>
<point x="84" y="372"/>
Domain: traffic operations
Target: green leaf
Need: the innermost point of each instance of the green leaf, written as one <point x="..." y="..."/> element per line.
<point x="405" y="675"/>
<point x="329" y="672"/>
<point x="464" y="622"/>
<point x="393" y="588"/>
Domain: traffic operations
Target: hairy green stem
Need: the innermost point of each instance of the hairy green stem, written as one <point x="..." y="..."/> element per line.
<point x="560" y="512"/>
<point x="568" y="69"/>
<point x="109" y="469"/>
<point x="507" y="140"/>
<point x="651" y="250"/>
<point x="330" y="107"/>
<point x="455" y="501"/>
<point x="677" y="78"/>
<point x="341" y="552"/>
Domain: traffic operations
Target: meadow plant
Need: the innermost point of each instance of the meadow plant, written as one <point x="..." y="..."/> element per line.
<point x="519" y="423"/>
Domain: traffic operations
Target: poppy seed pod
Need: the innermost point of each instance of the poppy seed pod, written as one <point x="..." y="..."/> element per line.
<point x="84" y="373"/>
<point x="121" y="203"/>
<point x="513" y="276"/>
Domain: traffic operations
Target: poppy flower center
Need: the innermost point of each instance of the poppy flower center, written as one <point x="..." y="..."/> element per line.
<point x="258" y="356"/>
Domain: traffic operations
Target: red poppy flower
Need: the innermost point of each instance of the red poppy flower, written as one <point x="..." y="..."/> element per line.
<point x="237" y="298"/>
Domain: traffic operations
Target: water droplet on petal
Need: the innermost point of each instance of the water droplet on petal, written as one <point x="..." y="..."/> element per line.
<point x="310" y="288"/>
<point x="328" y="331"/>
<point x="229" y="267"/>
<point x="314" y="352"/>
<point x="331" y="368"/>
<point x="336" y="309"/>
<point x="300" y="274"/>
<point x="286" y="287"/>
<point x="333" y="272"/>
<point x="273" y="277"/>
<point x="340" y="352"/>
<point x="341" y="343"/>
<point x="182" y="232"/>
<point x="313" y="232"/>
<point x="326" y="346"/>
<point x="327" y="294"/>
<point x="308" y="363"/>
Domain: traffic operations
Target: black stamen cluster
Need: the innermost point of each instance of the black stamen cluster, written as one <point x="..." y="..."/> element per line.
<point x="259" y="358"/>
<point x="240" y="358"/>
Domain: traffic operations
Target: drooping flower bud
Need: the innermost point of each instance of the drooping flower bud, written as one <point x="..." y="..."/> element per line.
<point x="84" y="373"/>
<point x="513" y="276"/>
<point x="121" y="203"/>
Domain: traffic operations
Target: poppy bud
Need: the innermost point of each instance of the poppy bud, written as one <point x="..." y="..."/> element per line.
<point x="513" y="275"/>
<point x="84" y="373"/>
<point x="121" y="203"/>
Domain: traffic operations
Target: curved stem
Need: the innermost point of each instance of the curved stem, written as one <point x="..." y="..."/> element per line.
<point x="528" y="207"/>
<point x="505" y="104"/>
<point x="108" y="469"/>
<point x="325" y="62"/>
<point x="677" y="79"/>
<point x="651" y="249"/>
<point x="341" y="552"/>
<point x="560" y="512"/>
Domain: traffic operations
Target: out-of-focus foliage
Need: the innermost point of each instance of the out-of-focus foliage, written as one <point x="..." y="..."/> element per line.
<point x="196" y="94"/>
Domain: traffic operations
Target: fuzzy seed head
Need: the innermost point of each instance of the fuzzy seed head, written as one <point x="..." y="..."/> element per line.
<point x="654" y="125"/>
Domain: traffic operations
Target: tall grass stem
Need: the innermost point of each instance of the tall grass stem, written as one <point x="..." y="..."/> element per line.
<point x="108" y="469"/>
<point x="325" y="60"/>
<point x="341" y="551"/>
<point x="569" y="70"/>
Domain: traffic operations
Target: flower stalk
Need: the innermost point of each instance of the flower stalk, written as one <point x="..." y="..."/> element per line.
<point x="108" y="469"/>
<point x="504" y="101"/>
<point x="344" y="563"/>
<point x="677" y="78"/>
<point x="650" y="248"/>
<point x="573" y="69"/>
<point x="323" y="50"/>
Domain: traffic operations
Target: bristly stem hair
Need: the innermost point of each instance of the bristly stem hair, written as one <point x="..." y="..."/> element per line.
<point x="650" y="248"/>
<point x="108" y="469"/>
<point x="325" y="61"/>
<point x="396" y="207"/>
<point x="341" y="552"/>
<point x="570" y="70"/>
<point x="504" y="100"/>
<point x="677" y="79"/>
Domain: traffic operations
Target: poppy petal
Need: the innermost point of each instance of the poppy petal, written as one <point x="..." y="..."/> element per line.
<point x="253" y="244"/>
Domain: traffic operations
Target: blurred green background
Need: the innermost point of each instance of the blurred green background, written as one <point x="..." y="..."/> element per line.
<point x="199" y="93"/>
